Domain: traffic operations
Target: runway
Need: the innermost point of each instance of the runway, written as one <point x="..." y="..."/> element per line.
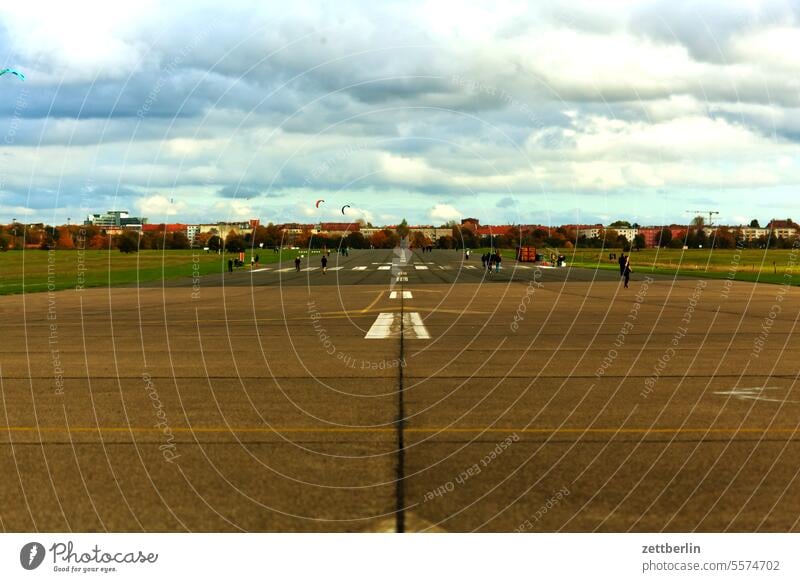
<point x="425" y="396"/>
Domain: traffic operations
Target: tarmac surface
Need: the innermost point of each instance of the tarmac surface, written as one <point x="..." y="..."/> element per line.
<point x="438" y="398"/>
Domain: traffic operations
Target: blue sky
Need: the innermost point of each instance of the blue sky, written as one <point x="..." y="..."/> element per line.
<point x="542" y="112"/>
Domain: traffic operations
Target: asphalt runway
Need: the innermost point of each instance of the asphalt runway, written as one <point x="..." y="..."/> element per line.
<point x="402" y="399"/>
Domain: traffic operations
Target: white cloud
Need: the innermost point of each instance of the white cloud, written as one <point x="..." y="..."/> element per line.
<point x="234" y="210"/>
<point x="444" y="213"/>
<point x="157" y="207"/>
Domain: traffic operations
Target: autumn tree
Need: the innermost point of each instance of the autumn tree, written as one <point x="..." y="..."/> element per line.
<point x="664" y="238"/>
<point x="128" y="242"/>
<point x="234" y="242"/>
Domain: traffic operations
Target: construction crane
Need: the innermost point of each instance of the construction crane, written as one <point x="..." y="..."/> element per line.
<point x="710" y="213"/>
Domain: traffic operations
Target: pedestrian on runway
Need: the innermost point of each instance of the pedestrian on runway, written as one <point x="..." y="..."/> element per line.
<point x="623" y="260"/>
<point x="230" y="265"/>
<point x="483" y="260"/>
<point x="627" y="272"/>
<point x="497" y="261"/>
<point x="256" y="260"/>
<point x="252" y="263"/>
<point x="297" y="264"/>
<point x="324" y="262"/>
<point x="466" y="255"/>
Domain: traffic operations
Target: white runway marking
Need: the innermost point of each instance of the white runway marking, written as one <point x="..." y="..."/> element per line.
<point x="335" y="268"/>
<point x="444" y="268"/>
<point x="406" y="295"/>
<point x="384" y="267"/>
<point x="413" y="328"/>
<point x="359" y="268"/>
<point x="286" y="270"/>
<point x="259" y="270"/>
<point x="523" y="267"/>
<point x="388" y="325"/>
<point x="754" y="394"/>
<point x="402" y="278"/>
<point x="310" y="269"/>
<point x="421" y="267"/>
<point x="385" y="326"/>
<point x="470" y="267"/>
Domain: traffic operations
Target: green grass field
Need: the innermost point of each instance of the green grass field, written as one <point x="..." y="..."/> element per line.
<point x="36" y="270"/>
<point x="765" y="266"/>
<point x="27" y="271"/>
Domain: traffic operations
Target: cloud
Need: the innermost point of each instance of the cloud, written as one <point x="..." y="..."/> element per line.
<point x="157" y="207"/>
<point x="405" y="109"/>
<point x="234" y="210"/>
<point x="506" y="202"/>
<point x="238" y="192"/>
<point x="444" y="213"/>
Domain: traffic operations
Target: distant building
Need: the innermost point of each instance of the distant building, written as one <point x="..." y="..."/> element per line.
<point x="471" y="223"/>
<point x="496" y="230"/>
<point x="115" y="220"/>
<point x="750" y="234"/>
<point x="587" y="230"/>
<point x="431" y="232"/>
<point x="192" y="230"/>
<point x="337" y="228"/>
<point x="782" y="228"/>
<point x="223" y="229"/>
<point x="175" y="227"/>
<point x="651" y="235"/>
<point x="627" y="232"/>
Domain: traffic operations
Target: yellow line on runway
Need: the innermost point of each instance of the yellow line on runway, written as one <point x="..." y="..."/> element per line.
<point x="342" y="429"/>
<point x="371" y="305"/>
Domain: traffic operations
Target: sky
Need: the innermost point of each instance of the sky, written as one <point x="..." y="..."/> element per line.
<point x="512" y="112"/>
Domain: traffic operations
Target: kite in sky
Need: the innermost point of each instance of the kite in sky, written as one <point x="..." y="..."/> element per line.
<point x="318" y="202"/>
<point x="13" y="72"/>
<point x="345" y="206"/>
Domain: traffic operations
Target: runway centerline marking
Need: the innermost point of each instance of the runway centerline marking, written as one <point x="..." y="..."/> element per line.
<point x="362" y="268"/>
<point x="405" y="295"/>
<point x="421" y="267"/>
<point x="384" y="267"/>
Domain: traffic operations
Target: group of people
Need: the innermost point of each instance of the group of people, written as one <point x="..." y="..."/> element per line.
<point x="491" y="260"/>
<point x="237" y="262"/>
<point x="427" y="249"/>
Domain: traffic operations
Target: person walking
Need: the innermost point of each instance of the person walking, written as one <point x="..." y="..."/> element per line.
<point x="483" y="261"/>
<point x="497" y="261"/>
<point x="623" y="260"/>
<point x="324" y="262"/>
<point x="627" y="272"/>
<point x="297" y="264"/>
<point x="256" y="260"/>
<point x="230" y="265"/>
<point x="466" y="255"/>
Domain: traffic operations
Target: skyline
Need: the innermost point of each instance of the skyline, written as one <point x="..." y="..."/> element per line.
<point x="519" y="114"/>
